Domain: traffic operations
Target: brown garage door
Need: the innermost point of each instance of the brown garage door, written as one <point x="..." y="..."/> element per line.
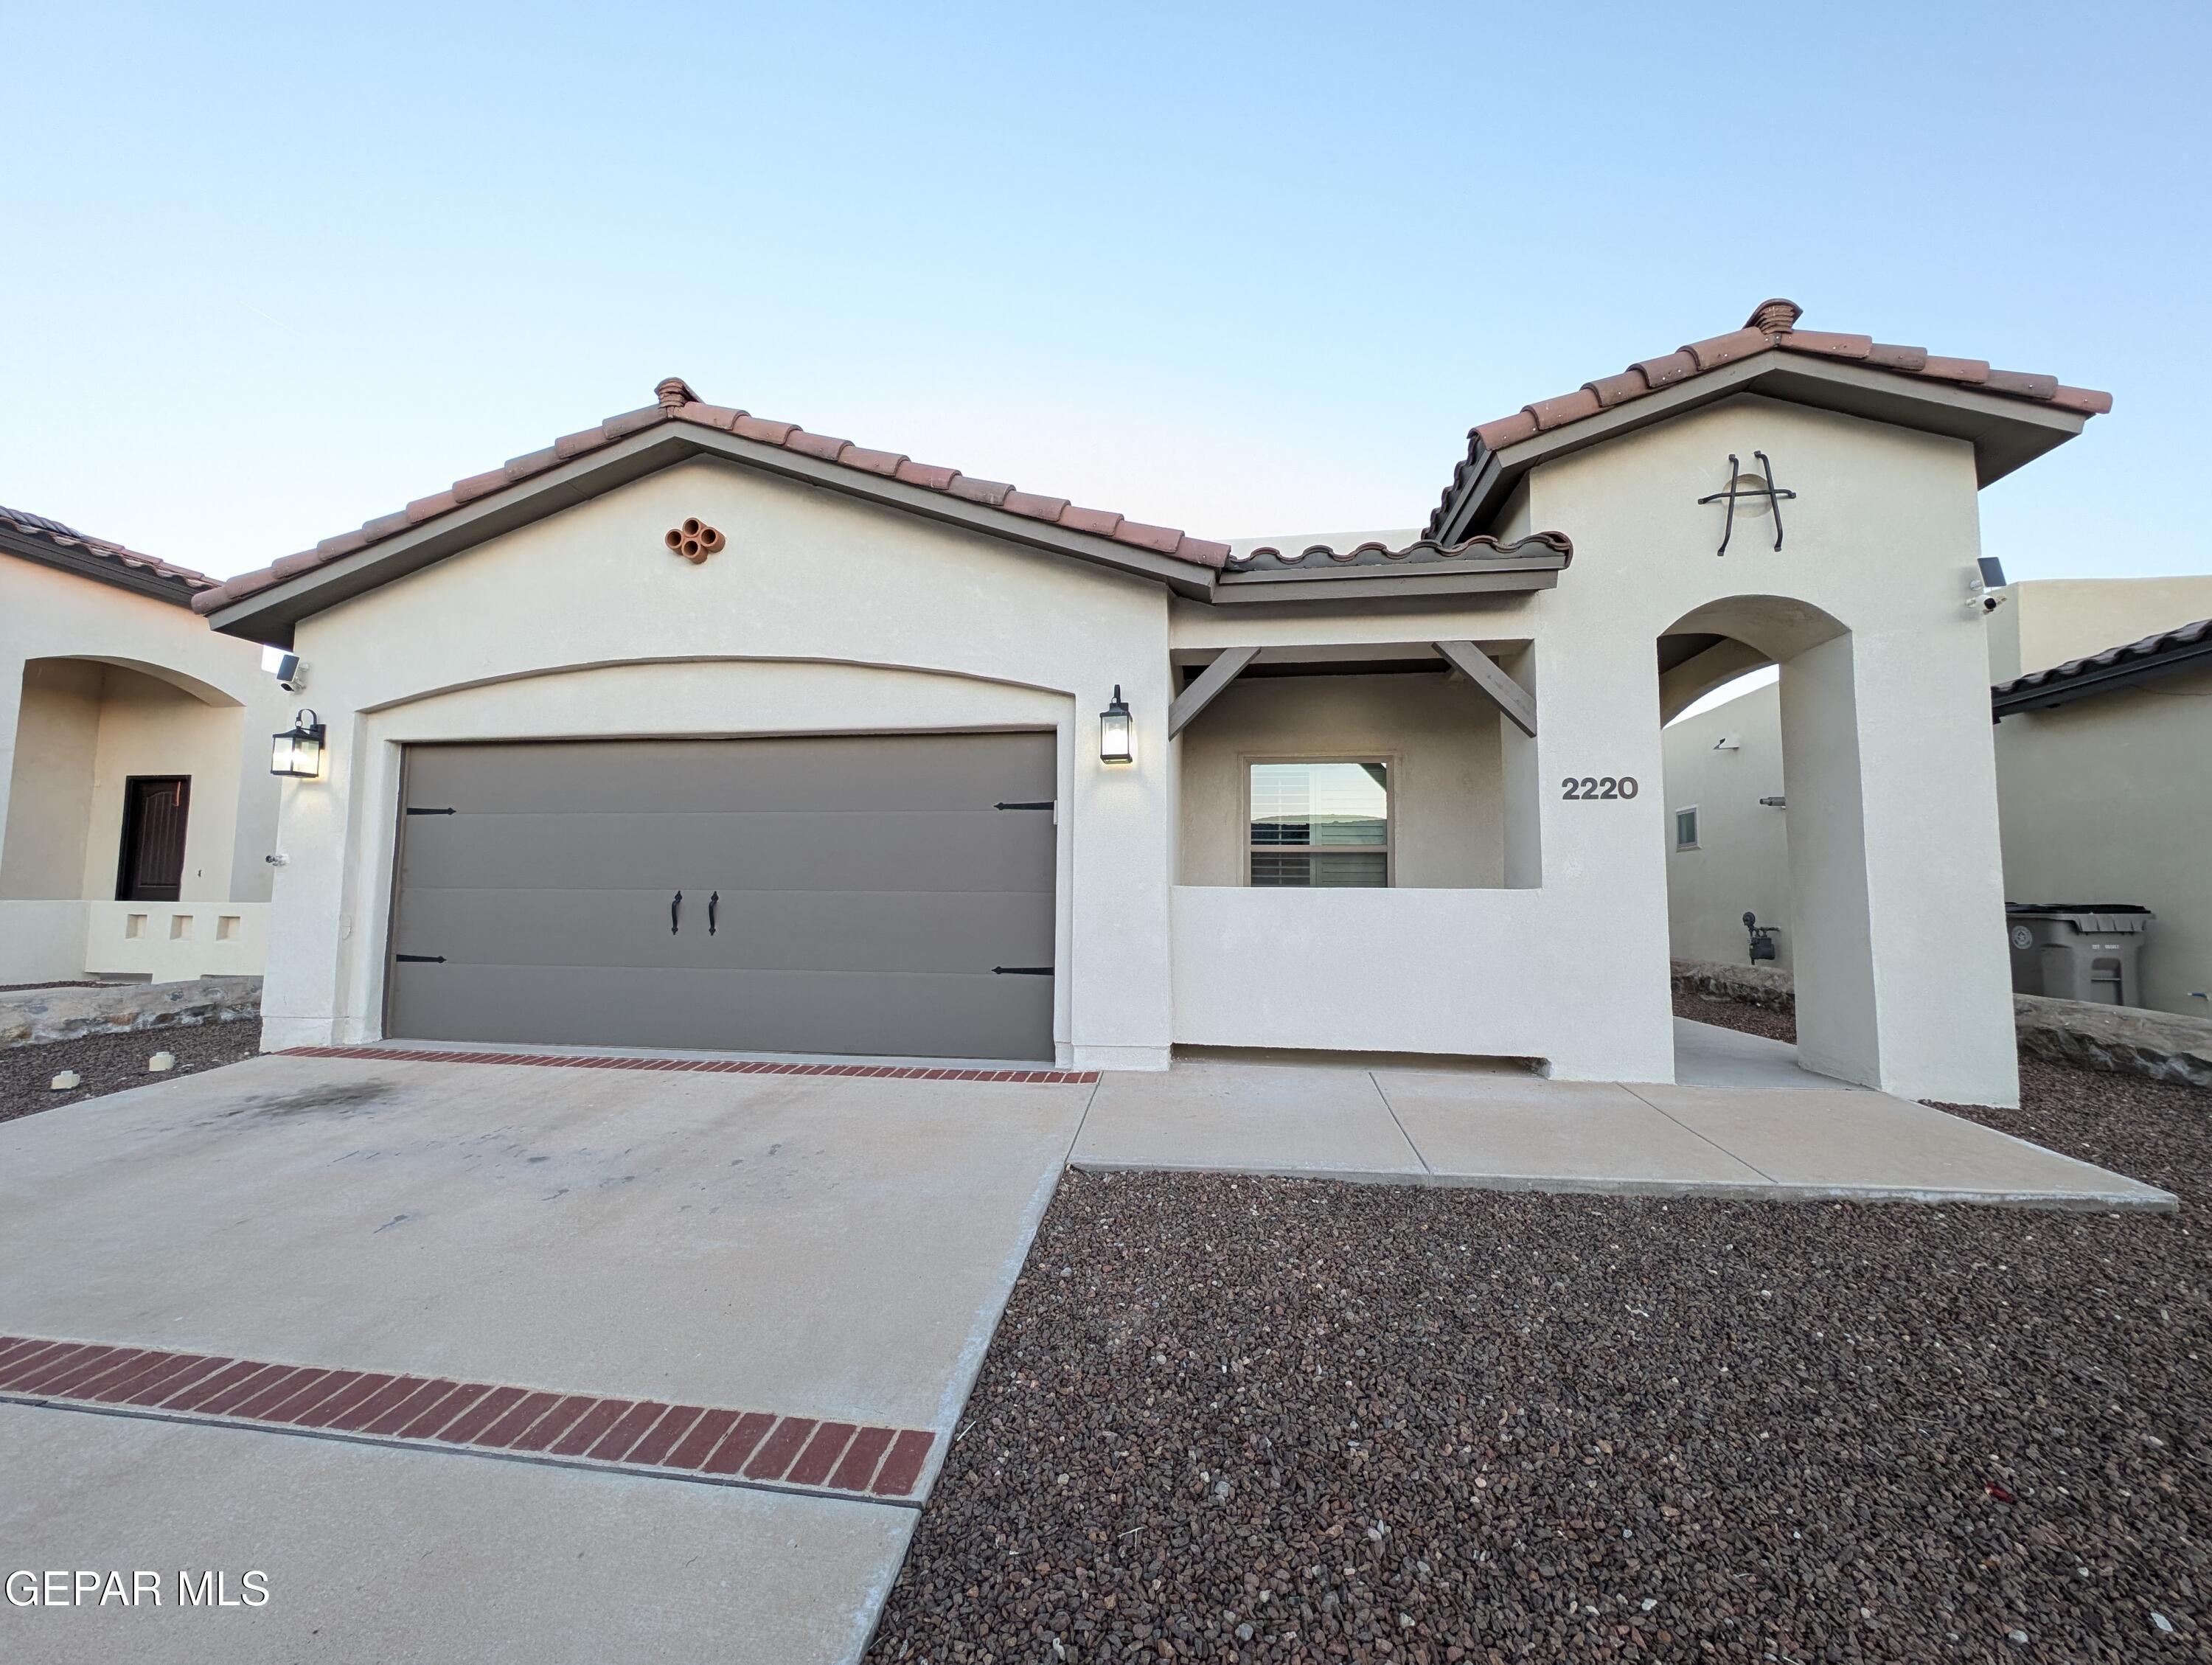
<point x="857" y="894"/>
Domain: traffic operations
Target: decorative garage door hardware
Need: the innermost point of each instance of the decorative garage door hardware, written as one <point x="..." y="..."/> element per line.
<point x="641" y="1435"/>
<point x="1040" y="803"/>
<point x="1032" y="1078"/>
<point x="1766" y="492"/>
<point x="421" y="959"/>
<point x="695" y="540"/>
<point x="1021" y="971"/>
<point x="411" y="809"/>
<point x="676" y="912"/>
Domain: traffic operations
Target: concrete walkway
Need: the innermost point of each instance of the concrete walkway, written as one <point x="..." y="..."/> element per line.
<point x="1743" y="1121"/>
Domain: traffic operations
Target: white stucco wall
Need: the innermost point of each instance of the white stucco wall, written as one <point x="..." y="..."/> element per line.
<point x="824" y="615"/>
<point x="97" y="683"/>
<point x="1439" y="737"/>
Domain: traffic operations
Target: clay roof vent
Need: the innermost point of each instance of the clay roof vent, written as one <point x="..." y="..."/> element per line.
<point x="1774" y="318"/>
<point x="675" y="392"/>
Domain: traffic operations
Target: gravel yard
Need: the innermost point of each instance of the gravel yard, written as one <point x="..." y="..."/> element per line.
<point x="109" y="1063"/>
<point x="1251" y="1419"/>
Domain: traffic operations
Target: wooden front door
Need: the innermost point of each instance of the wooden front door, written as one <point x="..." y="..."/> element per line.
<point x="153" y="864"/>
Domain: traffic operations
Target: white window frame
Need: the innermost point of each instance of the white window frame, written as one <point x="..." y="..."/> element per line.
<point x="1389" y="846"/>
<point x="1690" y="810"/>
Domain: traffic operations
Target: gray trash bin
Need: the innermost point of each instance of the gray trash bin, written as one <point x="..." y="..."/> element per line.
<point x="2077" y="951"/>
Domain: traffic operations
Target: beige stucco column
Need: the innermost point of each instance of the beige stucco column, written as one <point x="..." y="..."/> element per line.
<point x="1902" y="978"/>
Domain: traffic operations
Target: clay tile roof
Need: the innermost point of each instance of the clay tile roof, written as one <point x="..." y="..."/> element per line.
<point x="1772" y="327"/>
<point x="1422" y="552"/>
<point x="675" y="402"/>
<point x="52" y="534"/>
<point x="2169" y="650"/>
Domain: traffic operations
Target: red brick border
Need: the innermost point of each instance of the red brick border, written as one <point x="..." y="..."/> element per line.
<point x="646" y="1435"/>
<point x="1042" y="1078"/>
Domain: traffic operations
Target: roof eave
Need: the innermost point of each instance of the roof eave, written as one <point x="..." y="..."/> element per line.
<point x="1326" y="588"/>
<point x="2005" y="433"/>
<point x="272" y="615"/>
<point x="2012" y="699"/>
<point x="99" y="568"/>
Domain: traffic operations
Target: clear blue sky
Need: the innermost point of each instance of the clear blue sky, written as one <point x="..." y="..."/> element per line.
<point x="1241" y="268"/>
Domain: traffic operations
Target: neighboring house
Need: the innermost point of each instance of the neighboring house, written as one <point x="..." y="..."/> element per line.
<point x="2104" y="783"/>
<point x="2103" y="769"/>
<point x="134" y="761"/>
<point x="698" y="729"/>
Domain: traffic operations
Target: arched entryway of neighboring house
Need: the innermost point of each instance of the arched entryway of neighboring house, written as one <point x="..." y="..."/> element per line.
<point x="1830" y="941"/>
<point x="125" y="783"/>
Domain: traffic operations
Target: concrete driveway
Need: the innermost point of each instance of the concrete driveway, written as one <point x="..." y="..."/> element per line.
<point x="826" y="1255"/>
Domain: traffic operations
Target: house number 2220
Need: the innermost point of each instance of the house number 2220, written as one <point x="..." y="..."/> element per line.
<point x="1597" y="786"/>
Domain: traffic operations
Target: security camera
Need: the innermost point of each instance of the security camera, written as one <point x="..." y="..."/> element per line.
<point x="291" y="675"/>
<point x="1982" y="582"/>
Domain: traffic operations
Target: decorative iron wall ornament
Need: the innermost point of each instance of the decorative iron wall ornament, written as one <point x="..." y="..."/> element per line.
<point x="1758" y="489"/>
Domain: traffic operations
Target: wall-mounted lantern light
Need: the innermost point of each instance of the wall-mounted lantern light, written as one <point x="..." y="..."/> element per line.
<point x="1117" y="742"/>
<point x="298" y="752"/>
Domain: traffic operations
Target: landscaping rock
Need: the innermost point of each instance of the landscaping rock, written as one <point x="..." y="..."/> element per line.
<point x="1466" y="1428"/>
<point x="2125" y="1040"/>
<point x="1754" y="985"/>
<point x="35" y="1017"/>
<point x="32" y="1079"/>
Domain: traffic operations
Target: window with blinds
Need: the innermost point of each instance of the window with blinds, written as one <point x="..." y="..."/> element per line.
<point x="1321" y="824"/>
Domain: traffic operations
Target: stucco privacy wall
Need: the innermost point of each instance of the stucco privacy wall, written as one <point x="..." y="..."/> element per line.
<point x="2049" y="621"/>
<point x="1741" y="863"/>
<point x="1440" y="738"/>
<point x="2109" y="799"/>
<point x="816" y="618"/>
<point x="97" y="683"/>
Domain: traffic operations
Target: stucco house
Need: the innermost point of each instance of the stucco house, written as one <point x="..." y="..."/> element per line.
<point x="698" y="729"/>
<point x="2102" y="693"/>
<point x="136" y="804"/>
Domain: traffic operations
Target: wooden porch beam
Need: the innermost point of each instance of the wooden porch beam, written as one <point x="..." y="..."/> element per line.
<point x="1483" y="672"/>
<point x="1211" y="681"/>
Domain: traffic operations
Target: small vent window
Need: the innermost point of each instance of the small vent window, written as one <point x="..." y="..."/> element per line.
<point x="1685" y="828"/>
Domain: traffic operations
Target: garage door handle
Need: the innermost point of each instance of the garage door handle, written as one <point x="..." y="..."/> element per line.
<point x="712" y="903"/>
<point x="675" y="911"/>
<point x="1021" y="971"/>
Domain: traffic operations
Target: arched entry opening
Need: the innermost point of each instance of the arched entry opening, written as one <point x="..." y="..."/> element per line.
<point x="1792" y="851"/>
<point x="122" y="791"/>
